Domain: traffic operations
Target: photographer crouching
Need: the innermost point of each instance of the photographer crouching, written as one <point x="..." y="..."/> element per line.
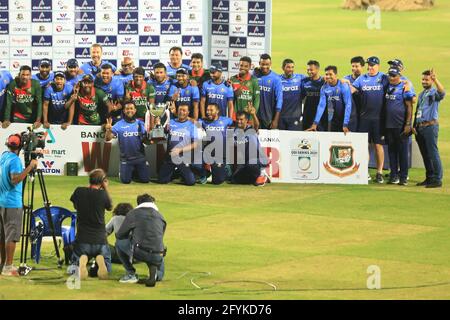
<point x="11" y="206"/>
<point x="90" y="242"/>
<point x="141" y="238"/>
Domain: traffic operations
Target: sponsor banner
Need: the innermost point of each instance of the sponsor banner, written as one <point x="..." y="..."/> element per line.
<point x="20" y="53"/>
<point x="149" y="16"/>
<point x="294" y="157"/>
<point x="20" y="41"/>
<point x="21" y="29"/>
<point x="219" y="53"/>
<point x="85" y="40"/>
<point x="238" y="6"/>
<point x="63" y="41"/>
<point x="4" y="64"/>
<point x="106" y="17"/>
<point x="220" y="41"/>
<point x="40" y="53"/>
<point x="195" y="29"/>
<point x="106" y="29"/>
<point x="238" y="18"/>
<point x="191" y="17"/>
<point x="15" y="64"/>
<point x="64" y="5"/>
<point x="170" y="41"/>
<point x="149" y="53"/>
<point x="4" y="41"/>
<point x="20" y="5"/>
<point x="149" y="29"/>
<point x="191" y="5"/>
<point x="128" y="41"/>
<point x="128" y="52"/>
<point x="20" y="17"/>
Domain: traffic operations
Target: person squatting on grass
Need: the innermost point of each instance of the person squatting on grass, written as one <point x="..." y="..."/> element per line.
<point x="119" y="214"/>
<point x="141" y="238"/>
<point x="90" y="241"/>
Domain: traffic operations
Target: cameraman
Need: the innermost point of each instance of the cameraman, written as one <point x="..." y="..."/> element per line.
<point x="141" y="237"/>
<point x="11" y="207"/>
<point x="90" y="242"/>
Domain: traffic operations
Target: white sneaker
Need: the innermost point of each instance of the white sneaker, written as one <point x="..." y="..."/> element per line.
<point x="10" y="271"/>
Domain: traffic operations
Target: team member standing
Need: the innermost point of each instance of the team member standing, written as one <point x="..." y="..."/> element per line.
<point x="357" y="64"/>
<point x="372" y="88"/>
<point x="310" y="93"/>
<point x="398" y="126"/>
<point x="72" y="72"/>
<point x="183" y="93"/>
<point x="125" y="74"/>
<point x="113" y="88"/>
<point x="24" y="100"/>
<point x="271" y="94"/>
<point x="291" y="112"/>
<point x="181" y="144"/>
<point x="140" y="92"/>
<point x="336" y="103"/>
<point x="176" y="62"/>
<point x="132" y="136"/>
<point x="44" y="76"/>
<point x="90" y="102"/>
<point x="94" y="66"/>
<point x="11" y="207"/>
<point x="162" y="83"/>
<point x="56" y="96"/>
<point x="217" y="91"/>
<point x="245" y="87"/>
<point x="427" y="128"/>
<point x="198" y="75"/>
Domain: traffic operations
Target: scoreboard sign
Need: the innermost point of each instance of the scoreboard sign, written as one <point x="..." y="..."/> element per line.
<point x="145" y="30"/>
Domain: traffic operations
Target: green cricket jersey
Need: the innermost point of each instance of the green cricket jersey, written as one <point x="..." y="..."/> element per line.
<point x="25" y="102"/>
<point x="90" y="109"/>
<point x="249" y="88"/>
<point x="140" y="97"/>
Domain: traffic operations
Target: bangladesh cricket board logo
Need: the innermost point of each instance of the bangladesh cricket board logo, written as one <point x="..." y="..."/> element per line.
<point x="342" y="161"/>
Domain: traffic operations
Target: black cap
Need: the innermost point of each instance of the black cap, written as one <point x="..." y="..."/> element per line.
<point x="182" y="71"/>
<point x="60" y="74"/>
<point x="396" y="63"/>
<point x="373" y="60"/>
<point x="87" y="77"/>
<point x="45" y="62"/>
<point x="216" y="67"/>
<point x="394" y="72"/>
<point x="72" y="63"/>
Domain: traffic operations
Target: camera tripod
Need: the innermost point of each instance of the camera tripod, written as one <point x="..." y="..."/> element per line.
<point x="26" y="220"/>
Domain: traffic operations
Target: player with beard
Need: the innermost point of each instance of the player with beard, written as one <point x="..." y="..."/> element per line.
<point x="140" y="92"/>
<point x="183" y="93"/>
<point x="217" y="91"/>
<point x="45" y="76"/>
<point x="271" y="94"/>
<point x="89" y="102"/>
<point x="291" y="112"/>
<point x="114" y="90"/>
<point x="215" y="127"/>
<point x="72" y="72"/>
<point x="24" y="100"/>
<point x="132" y="136"/>
<point x="94" y="66"/>
<point x="126" y="73"/>
<point x="336" y="98"/>
<point x="310" y="92"/>
<point x="56" y="97"/>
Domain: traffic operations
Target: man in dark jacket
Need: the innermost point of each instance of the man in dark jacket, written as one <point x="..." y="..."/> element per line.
<point x="141" y="238"/>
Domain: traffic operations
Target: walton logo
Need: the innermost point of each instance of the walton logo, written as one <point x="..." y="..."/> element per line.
<point x="48" y="167"/>
<point x="48" y="164"/>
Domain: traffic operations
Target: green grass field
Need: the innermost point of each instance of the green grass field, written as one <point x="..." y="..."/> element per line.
<point x="305" y="241"/>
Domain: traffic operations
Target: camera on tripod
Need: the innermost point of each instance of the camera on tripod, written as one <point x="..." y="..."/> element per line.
<point x="31" y="141"/>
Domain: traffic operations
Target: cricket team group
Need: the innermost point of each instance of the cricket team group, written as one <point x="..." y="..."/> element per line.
<point x="204" y="117"/>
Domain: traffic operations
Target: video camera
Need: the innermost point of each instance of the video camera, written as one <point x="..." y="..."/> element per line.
<point x="32" y="140"/>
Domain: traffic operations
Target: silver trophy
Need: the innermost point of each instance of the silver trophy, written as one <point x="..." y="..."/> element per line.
<point x="158" y="110"/>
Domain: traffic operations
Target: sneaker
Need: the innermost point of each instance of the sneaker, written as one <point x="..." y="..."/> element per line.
<point x="369" y="178"/>
<point x="129" y="278"/>
<point x="83" y="269"/>
<point x="202" y="180"/>
<point x="393" y="180"/>
<point x="262" y="180"/>
<point x="403" y="182"/>
<point x="151" y="281"/>
<point x="10" y="271"/>
<point x="379" y="178"/>
<point x="102" y="270"/>
<point x="434" y="184"/>
<point x="423" y="183"/>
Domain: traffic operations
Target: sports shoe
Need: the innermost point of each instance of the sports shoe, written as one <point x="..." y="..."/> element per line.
<point x="393" y="180"/>
<point x="10" y="271"/>
<point x="423" y="183"/>
<point x="262" y="180"/>
<point x="379" y="178"/>
<point x="129" y="278"/>
<point x="102" y="271"/>
<point x="369" y="178"/>
<point x="434" y="184"/>
<point x="403" y="182"/>
<point x="151" y="281"/>
<point x="83" y="269"/>
<point x="202" y="180"/>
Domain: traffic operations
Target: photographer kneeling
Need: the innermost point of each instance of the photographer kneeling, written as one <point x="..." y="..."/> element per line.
<point x="141" y="238"/>
<point x="90" y="242"/>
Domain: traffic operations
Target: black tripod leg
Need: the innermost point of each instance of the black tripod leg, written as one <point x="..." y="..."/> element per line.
<point x="26" y="227"/>
<point x="49" y="215"/>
